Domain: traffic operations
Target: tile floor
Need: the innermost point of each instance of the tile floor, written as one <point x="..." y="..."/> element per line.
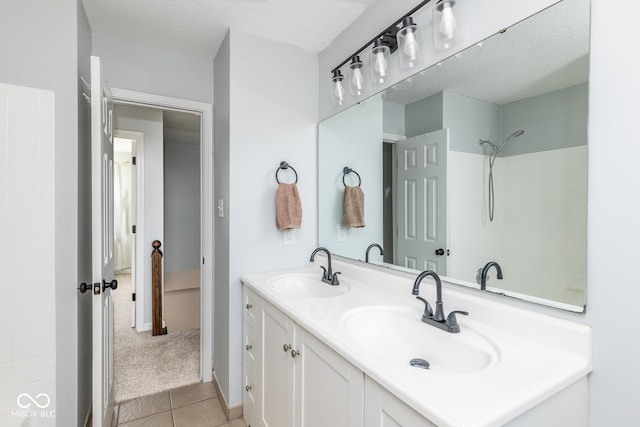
<point x="195" y="405"/>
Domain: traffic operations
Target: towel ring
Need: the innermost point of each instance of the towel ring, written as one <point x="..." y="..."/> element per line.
<point x="283" y="166"/>
<point x="347" y="170"/>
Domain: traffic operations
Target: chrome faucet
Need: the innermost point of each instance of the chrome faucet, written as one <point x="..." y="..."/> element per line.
<point x="371" y="246"/>
<point x="328" y="276"/>
<point x="437" y="319"/>
<point x="485" y="272"/>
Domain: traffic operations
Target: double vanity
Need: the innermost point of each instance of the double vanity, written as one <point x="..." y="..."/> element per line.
<point x="359" y="353"/>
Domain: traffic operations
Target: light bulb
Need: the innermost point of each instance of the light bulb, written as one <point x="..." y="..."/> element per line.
<point x="410" y="47"/>
<point x="447" y="25"/>
<point x="357" y="79"/>
<point x="338" y="91"/>
<point x="380" y="64"/>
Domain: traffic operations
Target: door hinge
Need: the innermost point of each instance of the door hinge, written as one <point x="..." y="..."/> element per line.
<point x="202" y="260"/>
<point x="133" y="229"/>
<point x="133" y="160"/>
<point x="133" y="296"/>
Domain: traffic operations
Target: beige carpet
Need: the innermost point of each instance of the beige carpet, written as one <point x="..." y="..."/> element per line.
<point x="144" y="364"/>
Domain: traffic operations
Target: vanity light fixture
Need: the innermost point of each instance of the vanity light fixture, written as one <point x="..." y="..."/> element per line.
<point x="356" y="77"/>
<point x="337" y="89"/>
<point x="402" y="35"/>
<point x="444" y="24"/>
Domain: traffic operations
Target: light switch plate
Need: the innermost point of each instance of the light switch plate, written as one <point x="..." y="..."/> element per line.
<point x="342" y="234"/>
<point x="289" y="237"/>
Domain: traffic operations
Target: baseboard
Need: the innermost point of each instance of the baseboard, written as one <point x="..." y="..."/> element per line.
<point x="230" y="413"/>
<point x="145" y="327"/>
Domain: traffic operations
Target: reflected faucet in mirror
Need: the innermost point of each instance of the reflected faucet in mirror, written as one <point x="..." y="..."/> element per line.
<point x="371" y="246"/>
<point x="485" y="271"/>
<point x="437" y="319"/>
<point x="328" y="276"/>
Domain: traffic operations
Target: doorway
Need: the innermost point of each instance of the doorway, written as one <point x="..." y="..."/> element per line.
<point x="195" y="366"/>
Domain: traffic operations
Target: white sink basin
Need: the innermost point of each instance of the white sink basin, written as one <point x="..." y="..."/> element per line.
<point x="306" y="285"/>
<point x="399" y="336"/>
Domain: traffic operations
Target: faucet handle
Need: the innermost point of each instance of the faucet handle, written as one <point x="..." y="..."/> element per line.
<point x="325" y="273"/>
<point x="428" y="311"/>
<point x="334" y="279"/>
<point x="452" y="321"/>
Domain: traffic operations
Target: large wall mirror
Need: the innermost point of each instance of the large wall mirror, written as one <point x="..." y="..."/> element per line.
<point x="480" y="158"/>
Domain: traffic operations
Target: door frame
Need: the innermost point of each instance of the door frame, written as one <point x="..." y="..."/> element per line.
<point x="129" y="97"/>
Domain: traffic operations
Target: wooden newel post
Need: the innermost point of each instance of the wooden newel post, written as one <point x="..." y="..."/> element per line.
<point x="156" y="288"/>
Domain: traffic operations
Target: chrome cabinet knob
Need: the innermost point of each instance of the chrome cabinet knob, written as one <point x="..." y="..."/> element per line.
<point x="249" y="387"/>
<point x="295" y="353"/>
<point x="286" y="347"/>
<point x="248" y="346"/>
<point x="249" y="306"/>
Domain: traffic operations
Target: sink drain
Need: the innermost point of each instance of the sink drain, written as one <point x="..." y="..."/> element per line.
<point x="419" y="363"/>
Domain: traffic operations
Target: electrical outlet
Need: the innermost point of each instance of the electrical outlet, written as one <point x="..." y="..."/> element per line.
<point x="289" y="237"/>
<point x="342" y="234"/>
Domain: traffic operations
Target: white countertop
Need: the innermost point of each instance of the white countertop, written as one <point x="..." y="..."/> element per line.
<point x="537" y="355"/>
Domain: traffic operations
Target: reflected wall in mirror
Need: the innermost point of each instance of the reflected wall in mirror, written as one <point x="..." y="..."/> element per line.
<point x="480" y="158"/>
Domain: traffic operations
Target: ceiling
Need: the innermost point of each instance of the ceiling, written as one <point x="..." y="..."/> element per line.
<point x="546" y="52"/>
<point x="197" y="27"/>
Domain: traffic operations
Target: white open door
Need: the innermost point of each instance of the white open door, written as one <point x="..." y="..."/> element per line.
<point x="102" y="245"/>
<point x="133" y="210"/>
<point x="421" y="210"/>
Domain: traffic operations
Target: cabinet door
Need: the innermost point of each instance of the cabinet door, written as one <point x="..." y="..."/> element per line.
<point x="250" y="396"/>
<point x="329" y="391"/>
<point x="276" y="368"/>
<point x="383" y="409"/>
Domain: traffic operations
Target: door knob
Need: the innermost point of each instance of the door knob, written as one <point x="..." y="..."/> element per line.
<point x="113" y="285"/>
<point x="439" y="251"/>
<point x="84" y="287"/>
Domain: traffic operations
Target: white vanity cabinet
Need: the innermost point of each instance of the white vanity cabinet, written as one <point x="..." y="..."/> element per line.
<point x="299" y="381"/>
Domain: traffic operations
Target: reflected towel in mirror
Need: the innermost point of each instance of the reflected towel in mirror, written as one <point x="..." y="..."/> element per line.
<point x="353" y="215"/>
<point x="288" y="207"/>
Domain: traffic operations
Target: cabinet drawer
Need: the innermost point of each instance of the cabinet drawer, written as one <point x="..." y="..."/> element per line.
<point x="250" y="307"/>
<point x="249" y="396"/>
<point x="249" y="345"/>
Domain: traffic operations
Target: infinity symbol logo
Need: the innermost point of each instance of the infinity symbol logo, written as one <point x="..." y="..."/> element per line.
<point x="30" y="400"/>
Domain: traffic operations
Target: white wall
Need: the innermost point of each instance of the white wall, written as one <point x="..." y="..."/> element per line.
<point x="151" y="164"/>
<point x="181" y="207"/>
<point x="222" y="170"/>
<point x="614" y="207"/>
<point x="272" y="117"/>
<point x="148" y="69"/>
<point x="31" y="43"/>
<point x="352" y="139"/>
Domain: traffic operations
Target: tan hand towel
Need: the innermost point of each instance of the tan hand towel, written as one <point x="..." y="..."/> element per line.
<point x="353" y="215"/>
<point x="288" y="207"/>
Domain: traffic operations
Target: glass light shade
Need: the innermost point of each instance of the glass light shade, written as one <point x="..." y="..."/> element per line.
<point x="337" y="88"/>
<point x="356" y="76"/>
<point x="408" y="46"/>
<point x="444" y="24"/>
<point x="379" y="62"/>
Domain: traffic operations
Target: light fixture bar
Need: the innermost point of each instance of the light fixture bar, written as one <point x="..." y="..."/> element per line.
<point x="387" y="35"/>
